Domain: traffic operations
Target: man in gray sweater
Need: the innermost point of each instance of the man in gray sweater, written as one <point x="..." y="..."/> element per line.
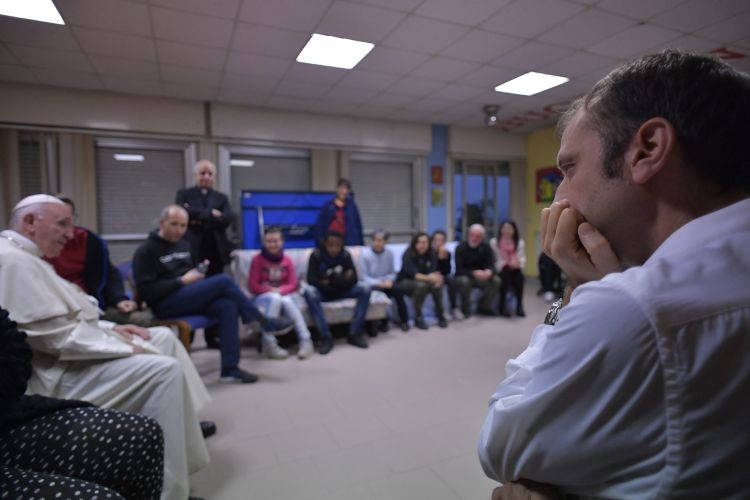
<point x="379" y="272"/>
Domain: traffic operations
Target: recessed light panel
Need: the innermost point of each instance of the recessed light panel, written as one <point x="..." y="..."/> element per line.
<point x="531" y="83"/>
<point x="332" y="51"/>
<point x="35" y="10"/>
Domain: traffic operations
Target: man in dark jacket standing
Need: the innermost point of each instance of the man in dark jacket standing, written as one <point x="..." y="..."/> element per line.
<point x="475" y="268"/>
<point x="341" y="215"/>
<point x="171" y="283"/>
<point x="210" y="216"/>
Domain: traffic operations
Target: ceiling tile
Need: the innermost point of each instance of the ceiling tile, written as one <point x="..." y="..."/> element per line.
<point x="735" y="28"/>
<point x="268" y="41"/>
<point x="415" y="86"/>
<point x="51" y="59"/>
<point x="191" y="76"/>
<point x="217" y="8"/>
<point x="586" y="28"/>
<point x="192" y="56"/>
<point x="140" y="87"/>
<point x="358" y="22"/>
<point x="15" y="73"/>
<point x="641" y="11"/>
<point x="444" y="69"/>
<point x="424" y="35"/>
<point x="192" y="92"/>
<point x="530" y="18"/>
<point x="694" y="44"/>
<point x="363" y="79"/>
<point x="191" y="28"/>
<point x="247" y="83"/>
<point x="107" y="15"/>
<point x="432" y="104"/>
<point x="114" y="44"/>
<point x="482" y="46"/>
<point x="117" y="67"/>
<point x="578" y="64"/>
<point x="388" y="100"/>
<point x="469" y="13"/>
<point x="457" y="92"/>
<point x="287" y="14"/>
<point x="315" y="74"/>
<point x="402" y="5"/>
<point x="7" y="57"/>
<point x="696" y="14"/>
<point x="253" y="64"/>
<point x="349" y="94"/>
<point x="392" y="61"/>
<point x="532" y="55"/>
<point x="489" y="77"/>
<point x="369" y="111"/>
<point x="68" y="79"/>
<point x="243" y="97"/>
<point x="304" y="90"/>
<point x="291" y="103"/>
<point x="634" y="41"/>
<point x="35" y="34"/>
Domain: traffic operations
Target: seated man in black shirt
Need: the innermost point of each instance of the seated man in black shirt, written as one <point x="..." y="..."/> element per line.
<point x="475" y="264"/>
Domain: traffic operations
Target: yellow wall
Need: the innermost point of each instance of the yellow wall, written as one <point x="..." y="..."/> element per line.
<point x="541" y="151"/>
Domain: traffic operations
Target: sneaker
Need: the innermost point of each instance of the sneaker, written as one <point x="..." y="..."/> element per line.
<point x="305" y="349"/>
<point x="457" y="314"/>
<point x="277" y="326"/>
<point x="326" y="346"/>
<point x="272" y="350"/>
<point x="419" y="323"/>
<point x="237" y="375"/>
<point x="442" y="323"/>
<point x="358" y="340"/>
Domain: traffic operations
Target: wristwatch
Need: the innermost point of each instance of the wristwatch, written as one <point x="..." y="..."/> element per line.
<point x="554" y="311"/>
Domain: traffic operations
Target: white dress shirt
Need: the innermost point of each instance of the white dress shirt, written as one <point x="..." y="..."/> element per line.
<point x="642" y="388"/>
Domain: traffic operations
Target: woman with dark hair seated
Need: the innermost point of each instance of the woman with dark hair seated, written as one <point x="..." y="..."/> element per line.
<point x="419" y="276"/>
<point x="57" y="448"/>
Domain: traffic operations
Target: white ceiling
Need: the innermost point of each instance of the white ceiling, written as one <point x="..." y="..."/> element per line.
<point x="435" y="61"/>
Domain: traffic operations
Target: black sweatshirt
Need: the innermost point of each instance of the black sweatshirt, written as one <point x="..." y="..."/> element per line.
<point x="472" y="259"/>
<point x="158" y="266"/>
<point x="331" y="275"/>
<point x="413" y="263"/>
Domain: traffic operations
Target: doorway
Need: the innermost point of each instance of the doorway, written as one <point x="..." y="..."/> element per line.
<point x="481" y="195"/>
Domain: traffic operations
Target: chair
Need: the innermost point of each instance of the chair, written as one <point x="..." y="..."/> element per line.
<point x="185" y="325"/>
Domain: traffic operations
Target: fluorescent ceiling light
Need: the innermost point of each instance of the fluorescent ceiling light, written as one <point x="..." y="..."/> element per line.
<point x="241" y="163"/>
<point x="333" y="51"/>
<point x="531" y="83"/>
<point x="36" y="10"/>
<point x="124" y="157"/>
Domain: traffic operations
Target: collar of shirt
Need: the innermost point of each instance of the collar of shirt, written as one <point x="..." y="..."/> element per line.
<point x="21" y="241"/>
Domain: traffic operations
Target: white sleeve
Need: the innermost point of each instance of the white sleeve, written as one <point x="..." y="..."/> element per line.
<point x="583" y="406"/>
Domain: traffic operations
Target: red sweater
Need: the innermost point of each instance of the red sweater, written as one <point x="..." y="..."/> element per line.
<point x="265" y="275"/>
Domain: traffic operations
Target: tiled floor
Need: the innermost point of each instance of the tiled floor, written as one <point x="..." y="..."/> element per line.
<point x="397" y="421"/>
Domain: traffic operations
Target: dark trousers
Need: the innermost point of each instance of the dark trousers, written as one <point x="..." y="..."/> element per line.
<point x="489" y="289"/>
<point x="513" y="280"/>
<point x="418" y="290"/>
<point x="397" y="294"/>
<point x="314" y="297"/>
<point x="550" y="274"/>
<point x="218" y="297"/>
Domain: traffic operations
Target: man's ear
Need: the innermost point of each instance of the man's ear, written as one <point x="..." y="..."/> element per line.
<point x="651" y="149"/>
<point x="28" y="219"/>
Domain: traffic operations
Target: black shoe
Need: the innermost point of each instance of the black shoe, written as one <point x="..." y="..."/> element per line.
<point x="419" y="323"/>
<point x="503" y="312"/>
<point x="208" y="428"/>
<point x="405" y="326"/>
<point x="212" y="339"/>
<point x="277" y="326"/>
<point x="442" y="323"/>
<point x="325" y="346"/>
<point x="384" y="326"/>
<point x="466" y="312"/>
<point x="372" y="329"/>
<point x="488" y="312"/>
<point x="520" y="312"/>
<point x="237" y="375"/>
<point x="358" y="340"/>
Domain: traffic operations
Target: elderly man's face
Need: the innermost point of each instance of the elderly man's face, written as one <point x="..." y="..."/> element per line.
<point x="51" y="229"/>
<point x="205" y="175"/>
<point x="172" y="228"/>
<point x="476" y="236"/>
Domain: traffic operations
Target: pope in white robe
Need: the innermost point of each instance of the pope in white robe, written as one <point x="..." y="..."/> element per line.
<point x="76" y="356"/>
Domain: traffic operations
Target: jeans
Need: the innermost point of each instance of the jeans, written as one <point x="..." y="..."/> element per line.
<point x="489" y="288"/>
<point x="398" y="296"/>
<point x="217" y="297"/>
<point x="418" y="290"/>
<point x="314" y="297"/>
<point x="273" y="305"/>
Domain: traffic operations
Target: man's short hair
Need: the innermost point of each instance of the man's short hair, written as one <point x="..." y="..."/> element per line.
<point x="201" y="162"/>
<point x="334" y="234"/>
<point x="706" y="101"/>
<point x="479" y="227"/>
<point x="344" y="182"/>
<point x="168" y="209"/>
<point x="381" y="232"/>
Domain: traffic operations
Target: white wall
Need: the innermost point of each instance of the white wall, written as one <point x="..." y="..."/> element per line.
<point x="485" y="143"/>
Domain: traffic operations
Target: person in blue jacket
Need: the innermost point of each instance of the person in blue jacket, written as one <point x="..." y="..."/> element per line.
<point x="341" y="215"/>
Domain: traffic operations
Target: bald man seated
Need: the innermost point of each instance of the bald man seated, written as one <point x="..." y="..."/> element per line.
<point x="173" y="283"/>
<point x="76" y="356"/>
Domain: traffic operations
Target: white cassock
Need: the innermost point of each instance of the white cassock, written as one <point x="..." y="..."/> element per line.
<point x="76" y="356"/>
